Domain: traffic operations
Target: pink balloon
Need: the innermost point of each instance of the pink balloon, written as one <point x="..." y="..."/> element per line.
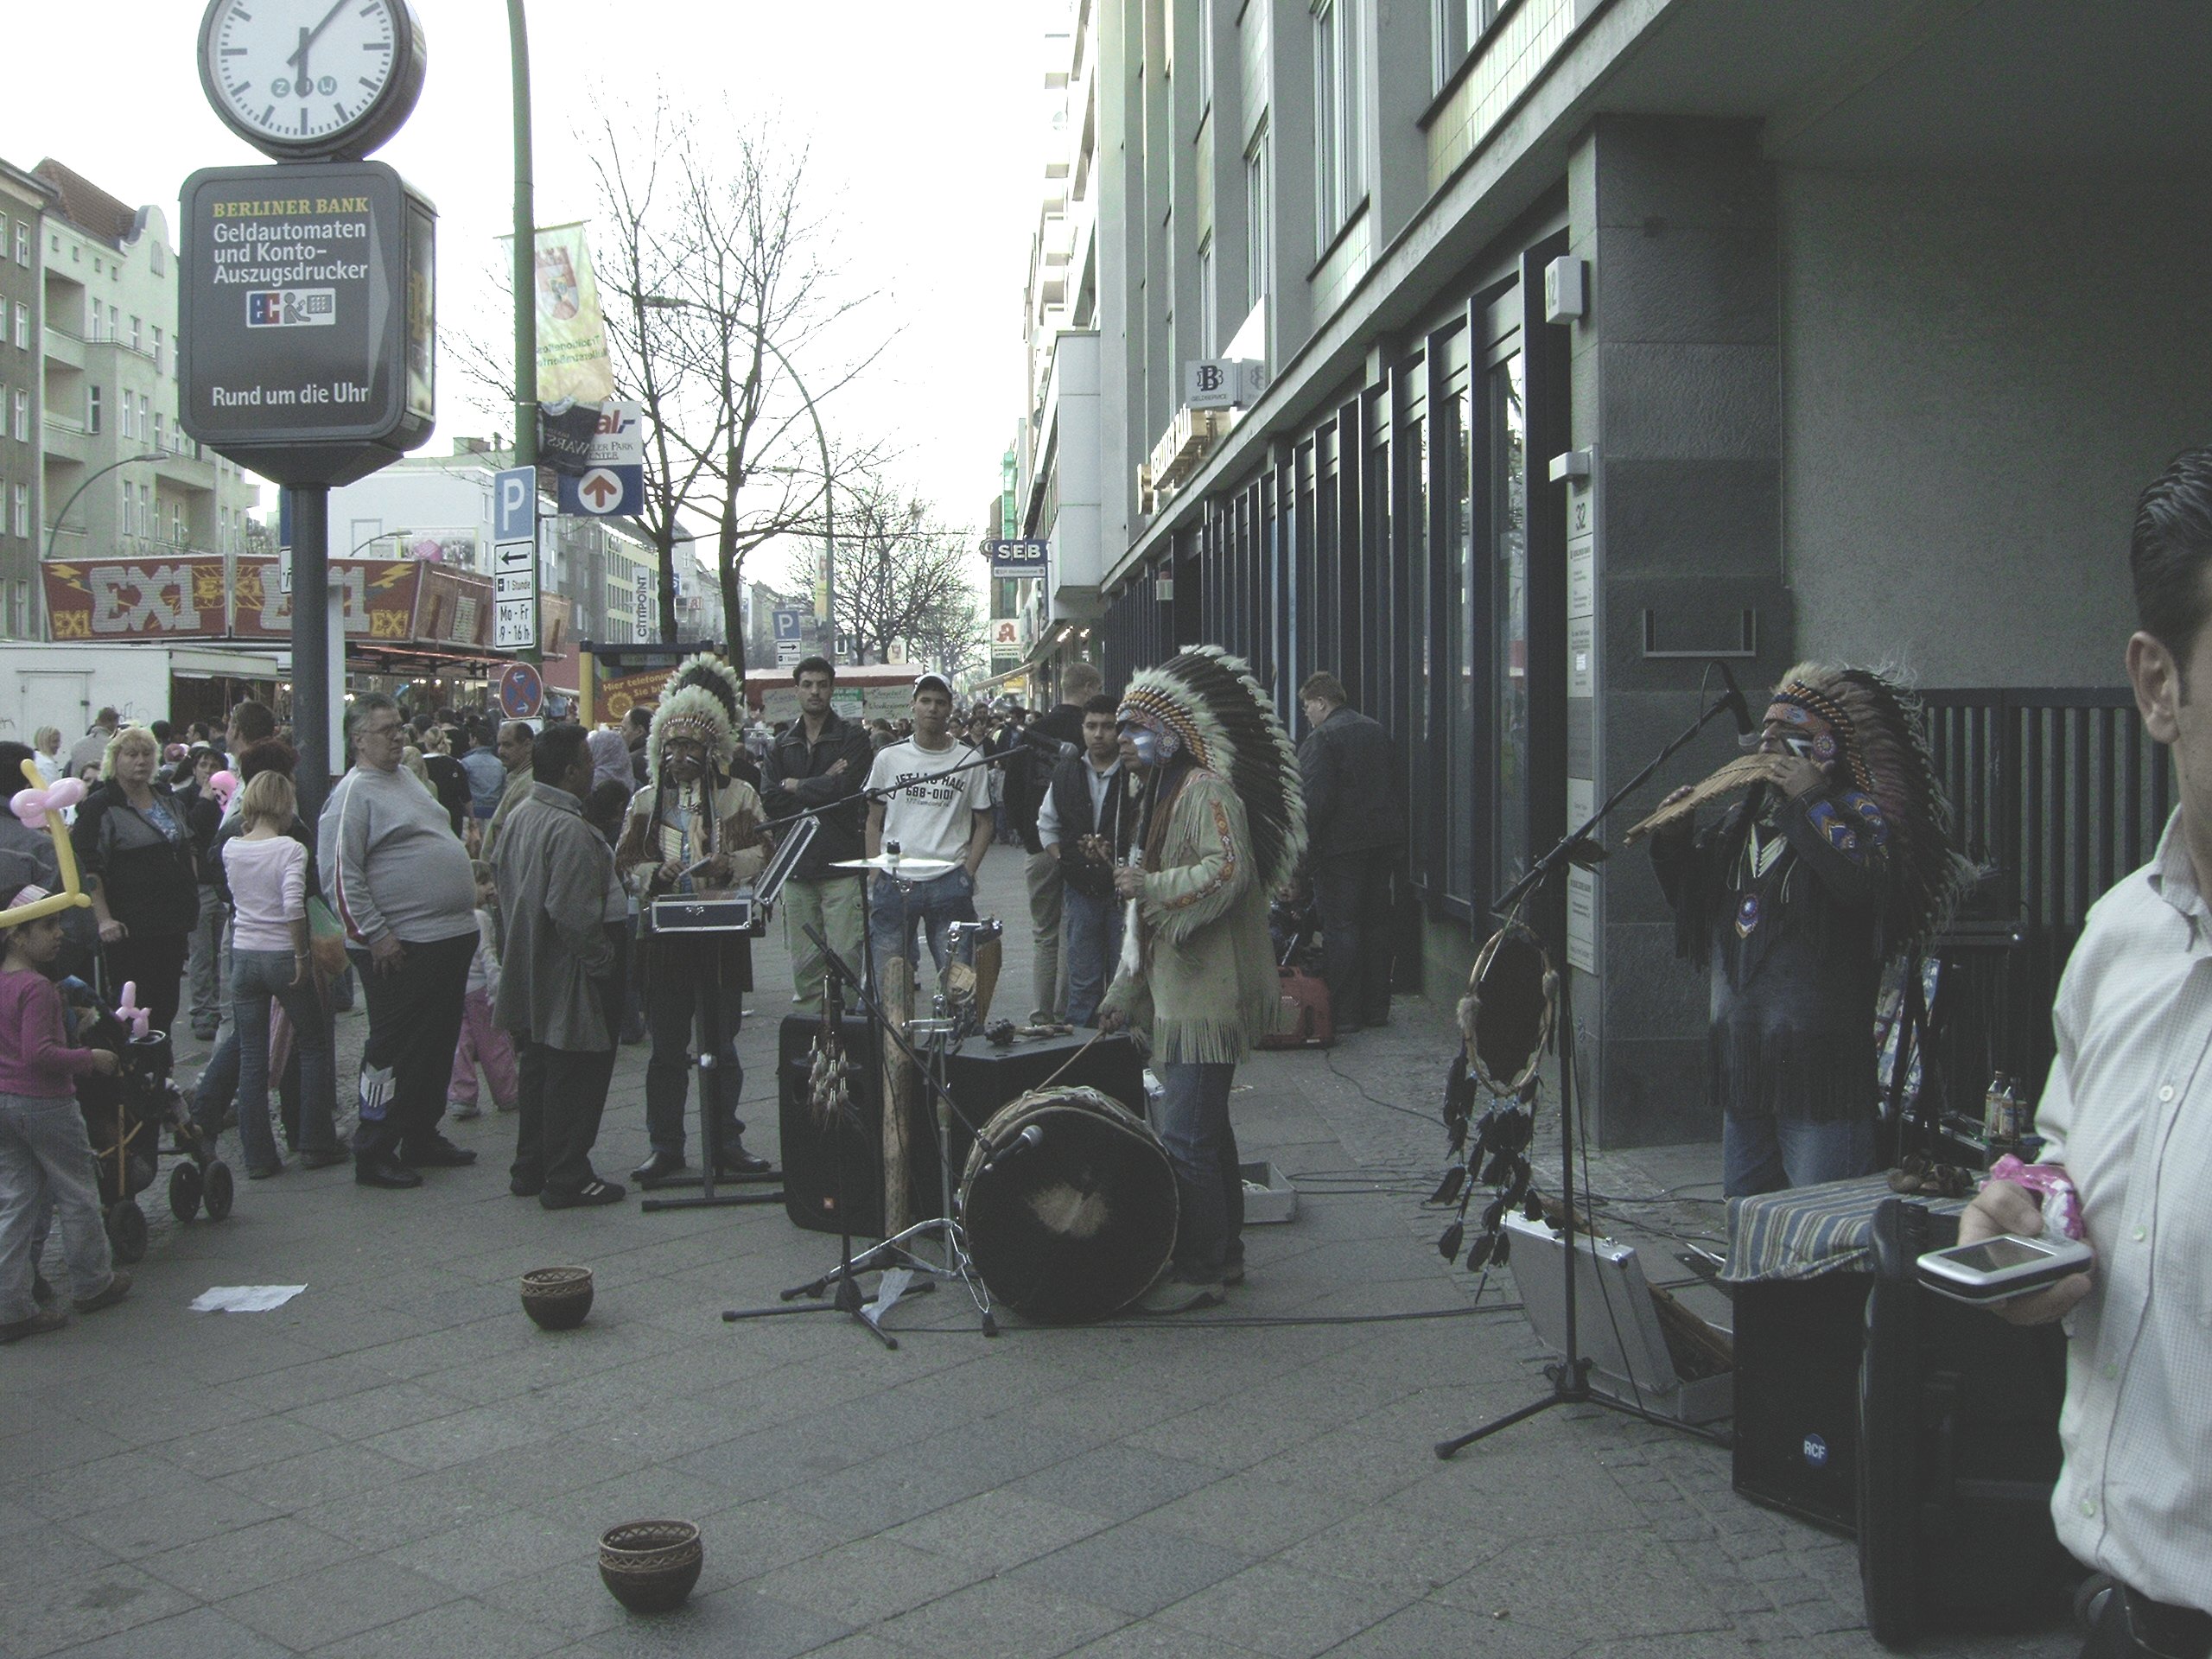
<point x="223" y="784"/>
<point x="139" y="1020"/>
<point x="31" y="805"/>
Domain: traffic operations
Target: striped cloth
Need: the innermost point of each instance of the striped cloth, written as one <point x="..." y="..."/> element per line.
<point x="1807" y="1231"/>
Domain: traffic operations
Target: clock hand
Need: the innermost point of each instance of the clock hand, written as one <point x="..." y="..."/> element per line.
<point x="299" y="59"/>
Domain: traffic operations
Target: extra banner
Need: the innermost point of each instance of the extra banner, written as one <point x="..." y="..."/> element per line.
<point x="572" y="360"/>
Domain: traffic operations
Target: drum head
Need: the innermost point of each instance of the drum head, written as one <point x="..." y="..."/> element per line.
<point x="1077" y="1224"/>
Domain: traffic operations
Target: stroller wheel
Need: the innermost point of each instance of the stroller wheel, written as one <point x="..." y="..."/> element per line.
<point x="217" y="1190"/>
<point x="126" y="1231"/>
<point x="184" y="1190"/>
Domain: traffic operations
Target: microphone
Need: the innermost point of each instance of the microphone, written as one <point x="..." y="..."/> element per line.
<point x="1746" y="733"/>
<point x="1050" y="746"/>
<point x="1029" y="1139"/>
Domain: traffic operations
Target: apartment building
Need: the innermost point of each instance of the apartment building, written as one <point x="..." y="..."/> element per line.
<point x="24" y="198"/>
<point x="1585" y="343"/>
<point x="119" y="477"/>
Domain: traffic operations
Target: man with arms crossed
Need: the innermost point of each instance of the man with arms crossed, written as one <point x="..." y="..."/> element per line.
<point x="820" y="758"/>
<point x="1082" y="823"/>
<point x="2127" y="1113"/>
<point x="949" y="819"/>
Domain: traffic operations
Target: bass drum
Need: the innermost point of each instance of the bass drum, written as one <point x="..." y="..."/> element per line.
<point x="1075" y="1221"/>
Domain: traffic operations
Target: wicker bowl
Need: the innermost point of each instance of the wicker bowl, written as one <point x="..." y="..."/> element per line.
<point x="650" y="1566"/>
<point x="556" y="1298"/>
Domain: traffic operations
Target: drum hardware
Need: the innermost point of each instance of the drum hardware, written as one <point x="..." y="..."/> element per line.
<point x="1509" y="956"/>
<point x="904" y="1268"/>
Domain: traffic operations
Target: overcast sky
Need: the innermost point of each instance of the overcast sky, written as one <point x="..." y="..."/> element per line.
<point x="926" y="125"/>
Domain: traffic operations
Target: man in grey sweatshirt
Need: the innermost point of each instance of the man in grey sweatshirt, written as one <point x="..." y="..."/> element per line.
<point x="401" y="885"/>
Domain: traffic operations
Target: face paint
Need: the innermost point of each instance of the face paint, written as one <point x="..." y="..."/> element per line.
<point x="1154" y="744"/>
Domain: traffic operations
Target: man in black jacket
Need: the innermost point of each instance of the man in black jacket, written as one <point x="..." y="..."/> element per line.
<point x="1356" y="831"/>
<point x="1083" y="822"/>
<point x="1079" y="683"/>
<point x="818" y="759"/>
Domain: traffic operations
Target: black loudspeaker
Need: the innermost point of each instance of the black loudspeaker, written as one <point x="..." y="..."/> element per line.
<point x="984" y="1077"/>
<point x="836" y="1177"/>
<point x="1797" y="1348"/>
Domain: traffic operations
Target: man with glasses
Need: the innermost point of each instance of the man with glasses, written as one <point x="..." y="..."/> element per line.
<point x="930" y="816"/>
<point x="402" y="886"/>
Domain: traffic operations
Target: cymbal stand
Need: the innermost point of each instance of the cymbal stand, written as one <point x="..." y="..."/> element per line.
<point x="896" y="1258"/>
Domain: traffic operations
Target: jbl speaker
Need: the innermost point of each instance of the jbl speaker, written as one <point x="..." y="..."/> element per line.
<point x="984" y="1077"/>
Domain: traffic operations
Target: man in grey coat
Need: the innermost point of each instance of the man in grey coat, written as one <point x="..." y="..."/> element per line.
<point x="560" y="990"/>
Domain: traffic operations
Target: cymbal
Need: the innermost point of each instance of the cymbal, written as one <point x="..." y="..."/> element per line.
<point x="921" y="869"/>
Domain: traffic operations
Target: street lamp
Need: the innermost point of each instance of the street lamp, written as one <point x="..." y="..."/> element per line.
<point x="669" y="302"/>
<point x="54" y="528"/>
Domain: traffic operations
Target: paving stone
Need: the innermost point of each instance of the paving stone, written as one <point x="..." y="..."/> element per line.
<point x="739" y="1620"/>
<point x="85" y="1600"/>
<point x="233" y="1562"/>
<point x="1115" y="1481"/>
<point x="336" y="1602"/>
<point x="872" y="1579"/>
<point x="1133" y="1569"/>
<point x="201" y="1633"/>
<point x="458" y="1628"/>
<point x="1277" y="1609"/>
<point x="997" y="1529"/>
<point x="136" y="1528"/>
<point x="999" y="1619"/>
<point x="507" y="1546"/>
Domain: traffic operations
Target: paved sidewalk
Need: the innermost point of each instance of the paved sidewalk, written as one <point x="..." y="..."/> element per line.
<point x="400" y="1463"/>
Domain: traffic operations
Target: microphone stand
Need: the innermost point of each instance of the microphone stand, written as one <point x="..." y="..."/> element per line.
<point x="1570" y="1377"/>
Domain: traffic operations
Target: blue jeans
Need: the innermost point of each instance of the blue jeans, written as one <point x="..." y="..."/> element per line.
<point x="1090" y="942"/>
<point x="1765" y="1154"/>
<point x="255" y="977"/>
<point x="1209" y="1185"/>
<point x="46" y="1160"/>
<point x="935" y="904"/>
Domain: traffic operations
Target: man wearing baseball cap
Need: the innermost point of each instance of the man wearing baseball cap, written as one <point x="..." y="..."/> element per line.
<point x="928" y="816"/>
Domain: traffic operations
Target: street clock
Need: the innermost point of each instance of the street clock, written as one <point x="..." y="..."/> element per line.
<point x="306" y="80"/>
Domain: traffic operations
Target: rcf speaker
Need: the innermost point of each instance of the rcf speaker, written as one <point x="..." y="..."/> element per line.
<point x="834" y="1178"/>
<point x="984" y="1077"/>
<point x="1797" y="1352"/>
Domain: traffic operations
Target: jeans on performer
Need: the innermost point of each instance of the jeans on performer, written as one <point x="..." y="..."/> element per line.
<point x="935" y="904"/>
<point x="679" y="979"/>
<point x="1194" y="1127"/>
<point x="46" y="1160"/>
<point x="258" y="976"/>
<point x="1766" y="1155"/>
<point x="482" y="1043"/>
<point x="1091" y="934"/>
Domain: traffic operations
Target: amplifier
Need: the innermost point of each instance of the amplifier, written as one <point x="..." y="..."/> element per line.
<point x="735" y="913"/>
<point x="984" y="1078"/>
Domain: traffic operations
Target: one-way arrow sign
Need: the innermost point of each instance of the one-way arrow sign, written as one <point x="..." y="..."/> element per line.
<point x="605" y="492"/>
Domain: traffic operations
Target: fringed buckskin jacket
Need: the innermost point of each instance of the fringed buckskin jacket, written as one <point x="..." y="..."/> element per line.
<point x="1198" y="976"/>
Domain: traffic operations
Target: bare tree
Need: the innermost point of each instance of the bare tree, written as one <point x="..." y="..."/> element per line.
<point x="903" y="577"/>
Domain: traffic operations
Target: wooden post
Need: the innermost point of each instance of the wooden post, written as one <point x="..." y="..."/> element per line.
<point x="901" y="1084"/>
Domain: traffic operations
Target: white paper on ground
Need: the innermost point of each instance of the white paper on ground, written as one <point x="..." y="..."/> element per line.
<point x="244" y="1298"/>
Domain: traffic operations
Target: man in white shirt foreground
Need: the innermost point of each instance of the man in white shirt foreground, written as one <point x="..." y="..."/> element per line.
<point x="948" y="818"/>
<point x="2128" y="1112"/>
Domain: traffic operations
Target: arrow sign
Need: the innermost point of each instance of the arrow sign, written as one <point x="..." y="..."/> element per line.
<point x="605" y="491"/>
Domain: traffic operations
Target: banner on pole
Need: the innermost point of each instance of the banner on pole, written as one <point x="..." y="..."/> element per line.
<point x="572" y="360"/>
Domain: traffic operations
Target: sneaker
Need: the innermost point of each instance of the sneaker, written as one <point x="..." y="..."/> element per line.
<point x="462" y="1110"/>
<point x="1232" y="1273"/>
<point x="435" y="1152"/>
<point x="591" y="1192"/>
<point x="262" y="1172"/>
<point x="37" y="1326"/>
<point x="507" y="1105"/>
<point x="1176" y="1294"/>
<point x="313" y="1159"/>
<point x="41" y="1292"/>
<point x="118" y="1286"/>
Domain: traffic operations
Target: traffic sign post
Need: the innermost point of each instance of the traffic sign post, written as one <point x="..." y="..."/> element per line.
<point x="514" y="560"/>
<point x="521" y="691"/>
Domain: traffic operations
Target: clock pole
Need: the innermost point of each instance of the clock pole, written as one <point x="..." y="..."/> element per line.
<point x="525" y="296"/>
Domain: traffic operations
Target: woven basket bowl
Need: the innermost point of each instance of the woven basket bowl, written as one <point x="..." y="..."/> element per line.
<point x="650" y="1566"/>
<point x="556" y="1298"/>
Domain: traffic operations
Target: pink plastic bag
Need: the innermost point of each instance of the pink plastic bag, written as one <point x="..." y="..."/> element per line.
<point x="2062" y="1204"/>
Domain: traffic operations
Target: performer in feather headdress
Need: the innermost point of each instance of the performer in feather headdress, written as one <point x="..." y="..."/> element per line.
<point x="1222" y="826"/>
<point x="693" y="828"/>
<point x="1794" y="899"/>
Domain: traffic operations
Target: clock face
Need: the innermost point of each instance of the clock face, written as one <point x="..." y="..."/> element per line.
<point x="305" y="77"/>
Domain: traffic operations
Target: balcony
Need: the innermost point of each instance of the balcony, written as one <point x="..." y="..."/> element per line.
<point x="62" y="347"/>
<point x="66" y="441"/>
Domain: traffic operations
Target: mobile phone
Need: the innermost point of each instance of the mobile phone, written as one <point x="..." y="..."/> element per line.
<point x="1998" y="1269"/>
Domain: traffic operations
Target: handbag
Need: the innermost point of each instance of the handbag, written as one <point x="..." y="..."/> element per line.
<point x="327" y="939"/>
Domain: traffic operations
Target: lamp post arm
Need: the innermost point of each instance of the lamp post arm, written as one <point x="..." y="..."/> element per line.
<point x="54" y="528"/>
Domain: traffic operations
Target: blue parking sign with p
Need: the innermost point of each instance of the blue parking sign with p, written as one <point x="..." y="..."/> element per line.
<point x="514" y="504"/>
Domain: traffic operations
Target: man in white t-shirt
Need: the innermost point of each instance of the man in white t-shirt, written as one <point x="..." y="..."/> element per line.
<point x="947" y="818"/>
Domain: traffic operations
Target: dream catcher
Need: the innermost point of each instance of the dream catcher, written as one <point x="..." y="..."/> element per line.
<point x="1490" y="1096"/>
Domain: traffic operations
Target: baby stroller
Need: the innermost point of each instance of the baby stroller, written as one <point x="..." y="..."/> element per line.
<point x="135" y="1118"/>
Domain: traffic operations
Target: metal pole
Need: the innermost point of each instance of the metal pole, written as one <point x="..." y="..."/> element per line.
<point x="54" y="528"/>
<point x="311" y="645"/>
<point x="525" y="285"/>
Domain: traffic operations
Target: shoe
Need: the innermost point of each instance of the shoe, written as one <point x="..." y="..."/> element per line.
<point x="37" y="1326"/>
<point x="462" y="1110"/>
<point x="385" y="1172"/>
<point x="324" y="1160"/>
<point x="1175" y="1295"/>
<point x="507" y="1105"/>
<point x="1232" y="1273"/>
<point x="203" y="1036"/>
<point x="118" y="1286"/>
<point x="591" y="1192"/>
<point x="735" y="1161"/>
<point x="437" y="1153"/>
<point x="522" y="1187"/>
<point x="41" y="1292"/>
<point x="262" y="1172"/>
<point x="659" y="1167"/>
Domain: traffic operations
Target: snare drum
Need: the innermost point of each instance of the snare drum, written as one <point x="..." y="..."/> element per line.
<point x="1076" y="1221"/>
